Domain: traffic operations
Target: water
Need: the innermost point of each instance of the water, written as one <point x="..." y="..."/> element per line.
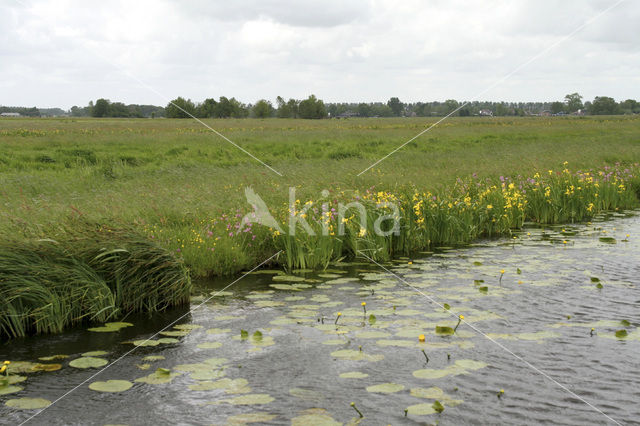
<point x="546" y="321"/>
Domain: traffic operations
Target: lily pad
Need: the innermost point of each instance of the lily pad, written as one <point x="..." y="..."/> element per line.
<point x="28" y="403"/>
<point x="385" y="388"/>
<point x="110" y="327"/>
<point x="88" y="362"/>
<point x="218" y="331"/>
<point x="47" y="367"/>
<point x="210" y="345"/>
<point x="316" y="417"/>
<point x="421" y="409"/>
<point x="621" y="333"/>
<point x="158" y="378"/>
<point x="353" y="355"/>
<point x="95" y="353"/>
<point x="145" y="342"/>
<point x="5" y="390"/>
<point x="175" y="333"/>
<point x="53" y="357"/>
<point x="444" y="330"/>
<point x="429" y="393"/>
<point x="153" y="358"/>
<point x="111" y="386"/>
<point x="353" y="375"/>
<point x="187" y="326"/>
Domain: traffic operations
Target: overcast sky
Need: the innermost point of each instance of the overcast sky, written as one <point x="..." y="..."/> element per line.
<point x="64" y="53"/>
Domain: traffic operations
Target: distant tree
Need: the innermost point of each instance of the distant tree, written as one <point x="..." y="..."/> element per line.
<point x="312" y="108"/>
<point x="604" y="105"/>
<point x="630" y="106"/>
<point x="207" y="109"/>
<point x="101" y="108"/>
<point x="557" y="107"/>
<point x="464" y="112"/>
<point x="396" y="106"/>
<point x="180" y="108"/>
<point x="365" y="110"/>
<point x="450" y="105"/>
<point x="262" y="109"/>
<point x="573" y="102"/>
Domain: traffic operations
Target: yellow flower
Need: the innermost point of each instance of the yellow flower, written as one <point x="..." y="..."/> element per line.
<point x="364" y="303"/>
<point x="489" y="206"/>
<point x="339" y="314"/>
<point x="461" y="317"/>
<point x="502" y="271"/>
<point x="421" y="338"/>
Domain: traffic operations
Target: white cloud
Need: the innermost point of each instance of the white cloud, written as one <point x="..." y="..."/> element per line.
<point x="61" y="53"/>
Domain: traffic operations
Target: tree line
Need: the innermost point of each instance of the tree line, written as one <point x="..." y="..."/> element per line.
<point x="314" y="108"/>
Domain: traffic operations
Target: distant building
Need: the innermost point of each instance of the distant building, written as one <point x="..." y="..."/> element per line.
<point x="348" y="114"/>
<point x="486" y="112"/>
<point x="9" y="114"/>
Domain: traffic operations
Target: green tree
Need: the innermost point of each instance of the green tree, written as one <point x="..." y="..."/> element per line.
<point x="604" y="105"/>
<point x="557" y="107"/>
<point x="630" y="106"/>
<point x="262" y="109"/>
<point x="396" y="106"/>
<point x="101" y="108"/>
<point x="312" y="108"/>
<point x="573" y="101"/>
<point x="180" y="108"/>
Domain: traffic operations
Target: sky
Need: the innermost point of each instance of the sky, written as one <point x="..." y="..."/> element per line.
<point x="60" y="53"/>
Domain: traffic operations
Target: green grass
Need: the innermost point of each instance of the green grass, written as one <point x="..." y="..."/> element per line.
<point x="90" y="274"/>
<point x="173" y="179"/>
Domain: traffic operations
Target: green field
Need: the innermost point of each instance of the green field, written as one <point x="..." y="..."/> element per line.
<point x="173" y="180"/>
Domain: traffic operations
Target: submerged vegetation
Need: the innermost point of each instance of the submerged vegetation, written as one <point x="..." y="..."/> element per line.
<point x="91" y="273"/>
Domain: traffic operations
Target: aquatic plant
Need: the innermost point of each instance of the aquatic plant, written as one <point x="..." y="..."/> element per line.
<point x="87" y="274"/>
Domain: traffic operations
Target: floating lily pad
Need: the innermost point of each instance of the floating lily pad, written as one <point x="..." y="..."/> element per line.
<point x="53" y="357"/>
<point x="353" y="375"/>
<point x="421" y="409"/>
<point x="316" y="417"/>
<point x="429" y="393"/>
<point x="145" y="342"/>
<point x="47" y="367"/>
<point x="111" y="386"/>
<point x="218" y="331"/>
<point x="208" y="374"/>
<point x="353" y="355"/>
<point x="221" y="293"/>
<point x="268" y="304"/>
<point x="5" y="390"/>
<point x="143" y="366"/>
<point x="175" y="333"/>
<point x="88" y="362"/>
<point x="167" y="340"/>
<point x="95" y="353"/>
<point x="621" y="333"/>
<point x="334" y="342"/>
<point x="158" y="378"/>
<point x="187" y="326"/>
<point x="210" y="345"/>
<point x="243" y="419"/>
<point x="110" y="327"/>
<point x="288" y="278"/>
<point x="153" y="358"/>
<point x="28" y="403"/>
<point x="608" y="240"/>
<point x="444" y="330"/>
<point x="385" y="388"/>
<point x="21" y="367"/>
<point x="13" y="379"/>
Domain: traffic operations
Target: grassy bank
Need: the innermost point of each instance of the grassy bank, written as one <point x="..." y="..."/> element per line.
<point x="91" y="274"/>
<point x="183" y="187"/>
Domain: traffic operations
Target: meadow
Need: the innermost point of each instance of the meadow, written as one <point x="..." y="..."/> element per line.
<point x="182" y="186"/>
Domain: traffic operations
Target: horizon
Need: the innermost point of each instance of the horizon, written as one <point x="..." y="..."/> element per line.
<point x="343" y="52"/>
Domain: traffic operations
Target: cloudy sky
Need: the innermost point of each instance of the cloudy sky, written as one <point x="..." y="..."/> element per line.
<point x="64" y="53"/>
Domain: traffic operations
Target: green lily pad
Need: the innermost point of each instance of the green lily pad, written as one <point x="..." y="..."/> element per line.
<point x="167" y="340"/>
<point x="243" y="419"/>
<point x="175" y="333"/>
<point x="385" y="388"/>
<point x="111" y="386"/>
<point x="153" y="358"/>
<point x="316" y="417"/>
<point x="334" y="342"/>
<point x="429" y="393"/>
<point x="53" y="357"/>
<point x="438" y="407"/>
<point x="209" y="345"/>
<point x="288" y="278"/>
<point x="353" y="355"/>
<point x="608" y="240"/>
<point x="625" y="323"/>
<point x="88" y="362"/>
<point x="21" y="367"/>
<point x="95" y="353"/>
<point x="444" y="330"/>
<point x="218" y="331"/>
<point x="621" y="333"/>
<point x="421" y="409"/>
<point x="158" y="378"/>
<point x="28" y="403"/>
<point x="5" y="390"/>
<point x="353" y="375"/>
<point x="187" y="326"/>
<point x="110" y="327"/>
<point x="145" y="342"/>
<point x="47" y="367"/>
<point x="12" y="379"/>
